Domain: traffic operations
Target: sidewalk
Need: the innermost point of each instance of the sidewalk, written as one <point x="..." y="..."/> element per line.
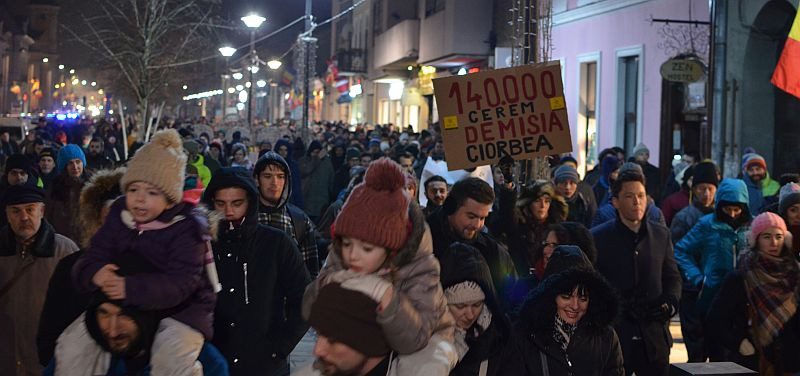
<point x="678" y="352"/>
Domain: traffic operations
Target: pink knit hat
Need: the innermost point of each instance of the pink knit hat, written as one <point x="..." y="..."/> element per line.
<point x="762" y="223"/>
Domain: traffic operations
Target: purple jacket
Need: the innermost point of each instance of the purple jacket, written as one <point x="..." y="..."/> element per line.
<point x="174" y="279"/>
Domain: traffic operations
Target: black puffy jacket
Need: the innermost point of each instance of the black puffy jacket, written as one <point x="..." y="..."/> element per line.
<point x="594" y="348"/>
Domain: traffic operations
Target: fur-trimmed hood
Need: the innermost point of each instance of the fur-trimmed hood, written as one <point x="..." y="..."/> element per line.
<point x="538" y="312"/>
<point x="558" y="206"/>
<point x="104" y="186"/>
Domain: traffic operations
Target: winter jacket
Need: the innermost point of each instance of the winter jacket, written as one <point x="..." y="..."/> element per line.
<point x="758" y="192"/>
<point x="709" y="251"/>
<point x="674" y="203"/>
<point x="728" y="319"/>
<point x="290" y="219"/>
<point x="96" y="163"/>
<point x="257" y="319"/>
<point x="504" y="274"/>
<point x="296" y="197"/>
<point x="684" y="221"/>
<point x="317" y="176"/>
<point x="177" y="250"/>
<point x="594" y="348"/>
<point x="210" y="358"/>
<point x="641" y="267"/>
<point x="607" y="212"/>
<point x="21" y="306"/>
<point x="465" y="264"/>
<point x="212" y="164"/>
<point x="202" y="171"/>
<point x="63" y="205"/>
<point x="524" y="235"/>
<point x="418" y="308"/>
<point x="62" y="306"/>
<point x="582" y="206"/>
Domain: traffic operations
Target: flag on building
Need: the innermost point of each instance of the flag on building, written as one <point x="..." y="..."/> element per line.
<point x="287" y="77"/>
<point x="787" y="73"/>
<point x="341" y="83"/>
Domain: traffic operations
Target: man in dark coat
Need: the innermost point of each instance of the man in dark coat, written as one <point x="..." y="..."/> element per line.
<point x="636" y="257"/>
<point x="461" y="219"/>
<point x="257" y="321"/>
<point x="641" y="155"/>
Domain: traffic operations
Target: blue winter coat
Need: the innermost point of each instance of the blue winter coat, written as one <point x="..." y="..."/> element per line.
<point x="709" y="251"/>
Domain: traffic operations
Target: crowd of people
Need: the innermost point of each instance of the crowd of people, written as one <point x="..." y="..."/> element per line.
<point x="201" y="254"/>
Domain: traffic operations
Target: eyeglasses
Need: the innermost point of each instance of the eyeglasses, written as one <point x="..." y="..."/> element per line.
<point x="546" y="244"/>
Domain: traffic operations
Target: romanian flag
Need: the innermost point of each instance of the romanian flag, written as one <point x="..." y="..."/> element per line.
<point x="787" y="73"/>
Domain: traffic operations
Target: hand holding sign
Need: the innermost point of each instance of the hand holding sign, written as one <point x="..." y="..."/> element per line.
<point x="518" y="112"/>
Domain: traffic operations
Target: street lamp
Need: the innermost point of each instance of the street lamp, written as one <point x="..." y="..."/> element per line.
<point x="227" y="51"/>
<point x="252" y="21"/>
<point x="274" y="64"/>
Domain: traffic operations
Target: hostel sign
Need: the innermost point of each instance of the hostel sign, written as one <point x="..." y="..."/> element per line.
<point x="514" y="111"/>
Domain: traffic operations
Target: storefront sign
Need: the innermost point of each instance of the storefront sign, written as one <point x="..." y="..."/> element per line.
<point x="682" y="70"/>
<point x="518" y="111"/>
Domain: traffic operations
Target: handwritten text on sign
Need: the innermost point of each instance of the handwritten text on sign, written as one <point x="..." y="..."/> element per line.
<point x="515" y="111"/>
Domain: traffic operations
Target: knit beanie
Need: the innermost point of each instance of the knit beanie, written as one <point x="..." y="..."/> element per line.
<point x="641" y="148"/>
<point x="565" y="172"/>
<point x="23" y="194"/>
<point x="20" y="162"/>
<point x="790" y="195"/>
<point x="191" y="146"/>
<point x="609" y="164"/>
<point x="753" y="159"/>
<point x="350" y="317"/>
<point x="68" y="153"/>
<point x="47" y="152"/>
<point x="464" y="292"/>
<point x="377" y="210"/>
<point x="761" y="223"/>
<point x="352" y="153"/>
<point x="161" y="163"/>
<point x="705" y="172"/>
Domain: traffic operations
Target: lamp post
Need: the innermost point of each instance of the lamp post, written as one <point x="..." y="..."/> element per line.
<point x="252" y="21"/>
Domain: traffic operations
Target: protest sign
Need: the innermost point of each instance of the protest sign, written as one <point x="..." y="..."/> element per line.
<point x="518" y="111"/>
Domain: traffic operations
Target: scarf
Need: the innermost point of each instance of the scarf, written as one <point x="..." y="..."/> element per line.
<point x="771" y="285"/>
<point x="484" y="320"/>
<point x="562" y="331"/>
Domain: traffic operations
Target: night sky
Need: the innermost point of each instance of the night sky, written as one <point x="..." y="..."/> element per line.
<point x="277" y="12"/>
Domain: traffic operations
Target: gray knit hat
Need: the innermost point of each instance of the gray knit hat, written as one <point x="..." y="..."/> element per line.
<point x="565" y="172"/>
<point x="790" y="195"/>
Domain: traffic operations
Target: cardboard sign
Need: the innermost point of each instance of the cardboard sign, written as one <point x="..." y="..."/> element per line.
<point x="518" y="111"/>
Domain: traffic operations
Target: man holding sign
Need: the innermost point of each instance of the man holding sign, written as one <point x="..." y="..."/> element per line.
<point x="519" y="112"/>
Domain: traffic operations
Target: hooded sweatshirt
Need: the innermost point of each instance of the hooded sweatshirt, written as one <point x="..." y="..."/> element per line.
<point x="286" y="216"/>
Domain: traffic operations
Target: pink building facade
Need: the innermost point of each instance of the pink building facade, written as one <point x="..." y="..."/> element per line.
<point x="611" y="53"/>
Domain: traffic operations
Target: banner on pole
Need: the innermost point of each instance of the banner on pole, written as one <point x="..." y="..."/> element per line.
<point x="517" y="111"/>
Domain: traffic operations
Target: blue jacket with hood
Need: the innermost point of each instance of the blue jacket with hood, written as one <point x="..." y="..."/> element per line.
<point x="296" y="192"/>
<point x="709" y="251"/>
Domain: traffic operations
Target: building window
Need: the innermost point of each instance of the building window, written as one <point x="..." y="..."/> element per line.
<point x="587" y="113"/>
<point x="433" y="6"/>
<point x="629" y="93"/>
<point x="630" y="101"/>
<point x="377" y="16"/>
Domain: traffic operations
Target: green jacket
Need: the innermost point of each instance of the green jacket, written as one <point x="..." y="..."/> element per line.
<point x="202" y="170"/>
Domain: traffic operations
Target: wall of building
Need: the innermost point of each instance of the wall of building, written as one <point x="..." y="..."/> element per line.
<point x="583" y="30"/>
